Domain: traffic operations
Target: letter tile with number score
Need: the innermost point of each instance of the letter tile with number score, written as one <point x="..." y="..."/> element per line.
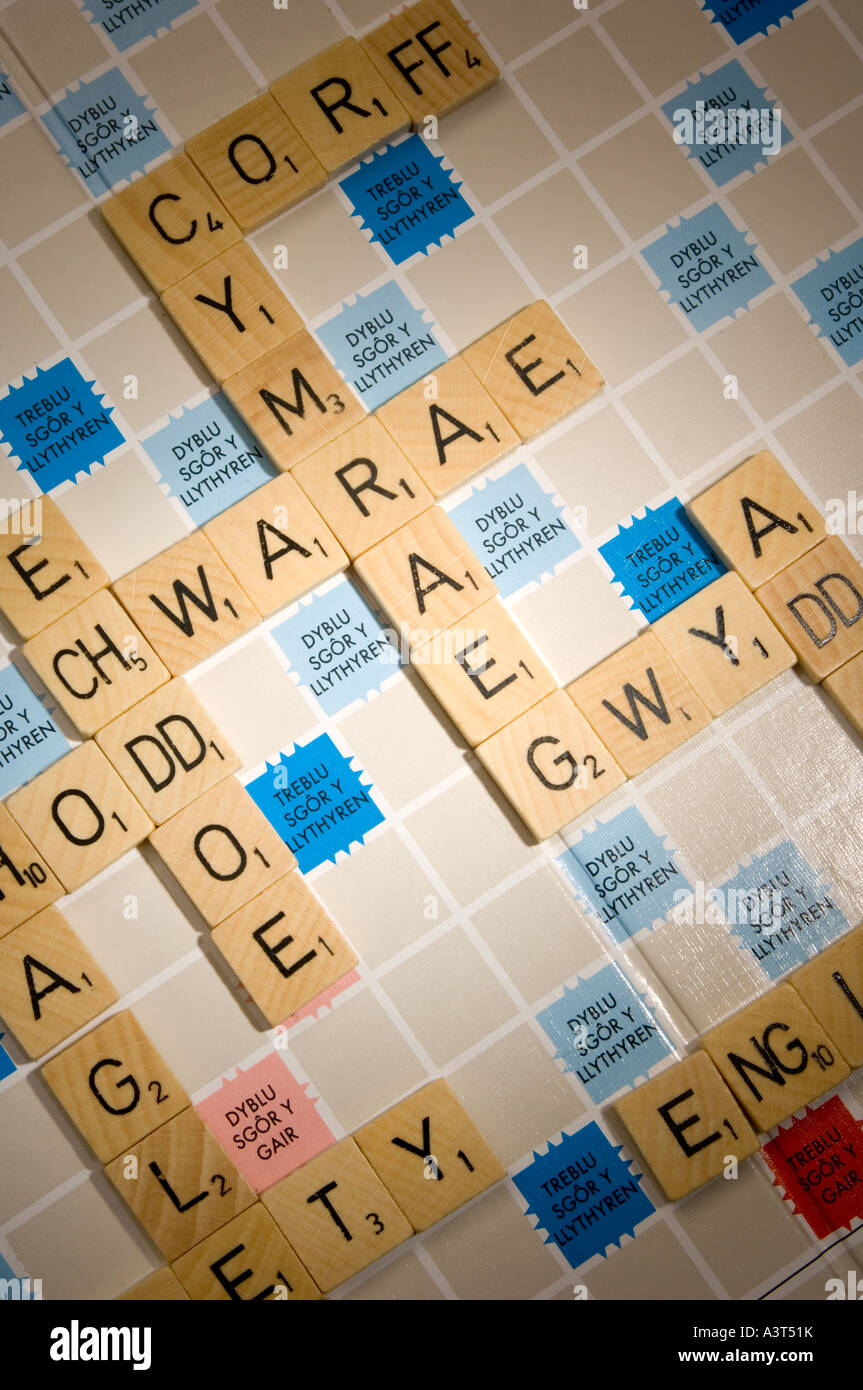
<point x="451" y="434"/>
<point x="831" y="985"/>
<point x="276" y="545"/>
<point x="285" y="948"/>
<point x="687" y="1123"/>
<point x="180" y="1184"/>
<point x="170" y="222"/>
<point x="550" y="765"/>
<point x="187" y="603"/>
<point x="294" y="400"/>
<point x="534" y="369"/>
<point x="80" y="815"/>
<point x="337" y="1214"/>
<point x="46" y="569"/>
<point x="817" y="604"/>
<point x="723" y="642"/>
<point x="363" y="486"/>
<point x="757" y="519"/>
<point x="430" y="1155"/>
<point x="50" y="985"/>
<point x="163" y="1286"/>
<point x="640" y="704"/>
<point x="247" y="1260"/>
<point x="483" y="671"/>
<point x="168" y="751"/>
<point x="232" y="311"/>
<point x="845" y="686"/>
<point x="257" y="162"/>
<point x="26" y="883"/>
<point x="431" y="59"/>
<point x="425" y="576"/>
<point x="222" y="850"/>
<point x="95" y="662"/>
<point x="114" y="1086"/>
<point x="776" y="1056"/>
<point x="340" y="104"/>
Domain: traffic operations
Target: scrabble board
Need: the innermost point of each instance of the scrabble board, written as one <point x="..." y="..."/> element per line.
<point x="431" y="650"/>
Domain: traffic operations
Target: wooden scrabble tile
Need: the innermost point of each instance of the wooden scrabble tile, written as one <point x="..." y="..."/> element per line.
<point x="686" y="1123"/>
<point x="425" y="576"/>
<point x="222" y="850"/>
<point x="775" y="1056"/>
<point x="180" y="1184"/>
<point x="256" y="162"/>
<point x="161" y="1287"/>
<point x="337" y="1214"/>
<point x="276" y="545"/>
<point x="46" y="569"/>
<point x="757" y="519"/>
<point x="550" y="765"/>
<point x="114" y="1086"/>
<point x="232" y="311"/>
<point x="831" y="986"/>
<point x="168" y="751"/>
<point x="294" y="400"/>
<point x="639" y="703"/>
<point x="535" y="370"/>
<point x="170" y="222"/>
<point x="80" y="815"/>
<point x="483" y="671"/>
<point x="845" y="686"/>
<point x="248" y="1259"/>
<point x="26" y="883"/>
<point x="448" y="426"/>
<point x="50" y="985"/>
<point x="363" y="486"/>
<point x="723" y="642"/>
<point x="186" y="603"/>
<point x="429" y="1154"/>
<point x="340" y="104"/>
<point x="285" y="948"/>
<point x="817" y="604"/>
<point x="431" y="59"/>
<point x="95" y="662"/>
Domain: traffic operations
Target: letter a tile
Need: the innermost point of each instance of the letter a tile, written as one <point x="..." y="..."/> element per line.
<point x="758" y="519"/>
<point x="50" y="985"/>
